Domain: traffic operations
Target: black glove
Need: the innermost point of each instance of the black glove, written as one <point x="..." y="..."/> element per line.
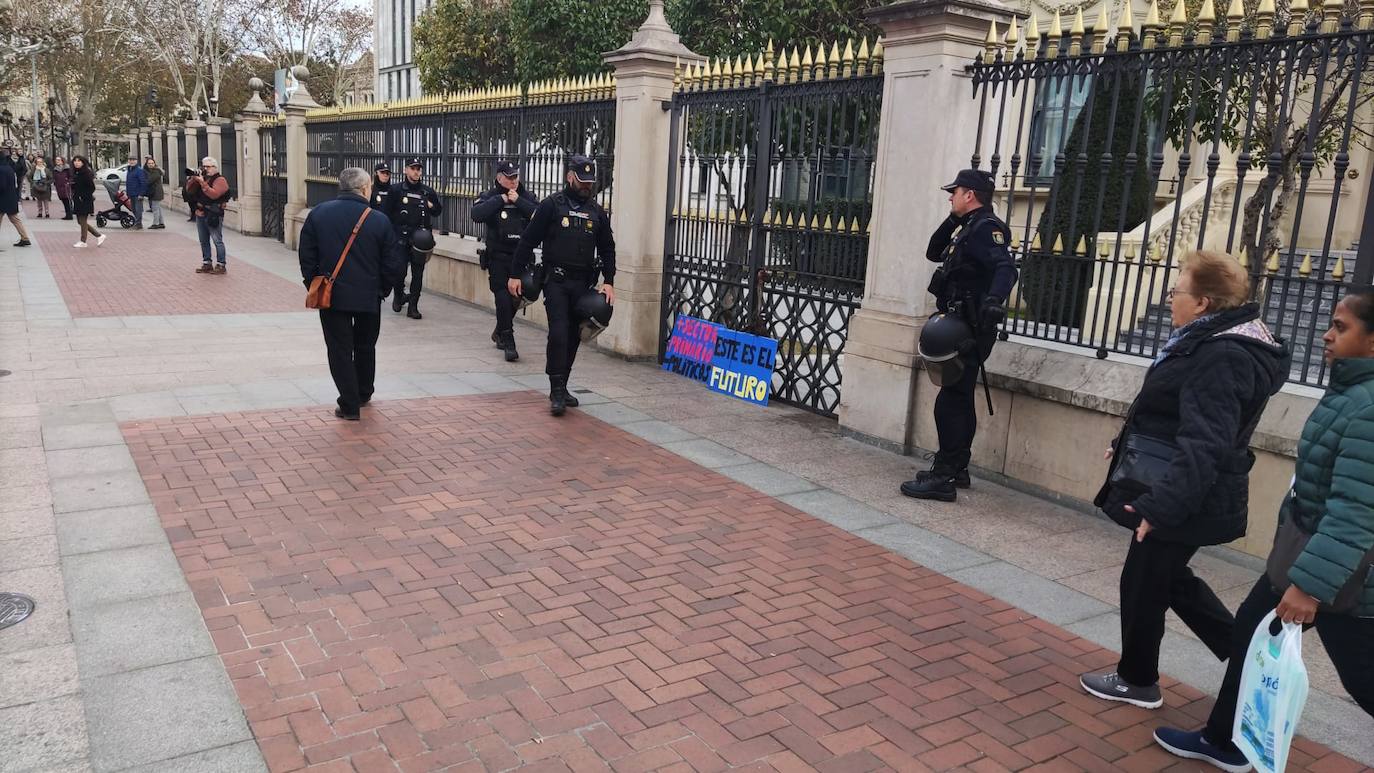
<point x="993" y="313"/>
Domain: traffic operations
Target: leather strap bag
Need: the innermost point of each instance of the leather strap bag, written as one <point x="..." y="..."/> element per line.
<point x="321" y="291"/>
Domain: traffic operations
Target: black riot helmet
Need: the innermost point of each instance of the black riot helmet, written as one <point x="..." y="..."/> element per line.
<point x="943" y="339"/>
<point x="529" y="289"/>
<point x="594" y="311"/>
<point x="422" y="243"/>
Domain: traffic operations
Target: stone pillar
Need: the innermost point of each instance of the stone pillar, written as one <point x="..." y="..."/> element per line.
<point x="295" y="108"/>
<point x="175" y="163"/>
<point x="927" y="43"/>
<point x="249" y="149"/>
<point x="214" y="139"/>
<point x="155" y="139"/>
<point x="194" y="152"/>
<point x="639" y="194"/>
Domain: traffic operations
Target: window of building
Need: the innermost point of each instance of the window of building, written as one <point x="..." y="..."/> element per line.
<point x="1053" y="121"/>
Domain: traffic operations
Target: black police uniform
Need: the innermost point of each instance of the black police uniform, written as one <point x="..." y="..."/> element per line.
<point x="411" y="206"/>
<point x="973" y="282"/>
<point x="578" y="245"/>
<point x="505" y="223"/>
<point x="380" y="190"/>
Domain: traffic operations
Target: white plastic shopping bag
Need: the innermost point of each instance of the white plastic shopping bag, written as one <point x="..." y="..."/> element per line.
<point x="1273" y="690"/>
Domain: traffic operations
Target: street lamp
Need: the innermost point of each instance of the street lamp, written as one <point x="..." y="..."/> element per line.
<point x="6" y="118"/>
<point x="52" y="127"/>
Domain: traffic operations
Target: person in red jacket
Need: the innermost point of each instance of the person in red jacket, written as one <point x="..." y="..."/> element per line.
<point x="208" y="193"/>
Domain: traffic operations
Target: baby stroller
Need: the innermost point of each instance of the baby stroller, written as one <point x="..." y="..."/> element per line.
<point x="123" y="209"/>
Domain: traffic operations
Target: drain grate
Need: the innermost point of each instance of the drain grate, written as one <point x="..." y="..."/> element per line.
<point x="14" y="608"/>
<point x="583" y="391"/>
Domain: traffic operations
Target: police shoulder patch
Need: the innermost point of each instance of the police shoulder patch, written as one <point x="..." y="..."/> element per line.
<point x="565" y="222"/>
<point x="998" y="238"/>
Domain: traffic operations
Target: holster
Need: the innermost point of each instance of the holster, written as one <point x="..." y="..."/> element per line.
<point x="482" y="261"/>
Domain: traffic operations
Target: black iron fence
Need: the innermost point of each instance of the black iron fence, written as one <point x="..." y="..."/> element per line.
<point x="272" y="158"/>
<point x="229" y="156"/>
<point x="1256" y="117"/>
<point x="460" y="137"/>
<point x="770" y="194"/>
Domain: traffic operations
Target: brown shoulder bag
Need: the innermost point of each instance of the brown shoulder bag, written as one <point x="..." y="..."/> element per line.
<point x="321" y="291"/>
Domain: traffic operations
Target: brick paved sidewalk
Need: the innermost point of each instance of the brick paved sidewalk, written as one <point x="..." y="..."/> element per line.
<point x="153" y="273"/>
<point x="443" y="585"/>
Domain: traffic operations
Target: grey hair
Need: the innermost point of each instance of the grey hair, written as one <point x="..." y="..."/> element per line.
<point x="209" y="161"/>
<point x="353" y="180"/>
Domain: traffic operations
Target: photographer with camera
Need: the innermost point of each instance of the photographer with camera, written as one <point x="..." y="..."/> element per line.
<point x="207" y="192"/>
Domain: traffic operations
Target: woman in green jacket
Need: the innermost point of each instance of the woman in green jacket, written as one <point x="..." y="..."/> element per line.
<point x="1318" y="570"/>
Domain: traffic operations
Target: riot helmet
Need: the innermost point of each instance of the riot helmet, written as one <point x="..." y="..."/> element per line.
<point x="529" y="290"/>
<point x="421" y="243"/>
<point x="594" y="311"/>
<point x="944" y="338"/>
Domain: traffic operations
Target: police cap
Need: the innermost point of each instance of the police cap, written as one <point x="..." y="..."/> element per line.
<point x="971" y="179"/>
<point x="414" y="161"/>
<point x="382" y="167"/>
<point x="508" y="168"/>
<point x="583" y="167"/>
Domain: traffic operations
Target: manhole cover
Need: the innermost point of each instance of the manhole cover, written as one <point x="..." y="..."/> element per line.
<point x="4" y="373"/>
<point x="14" y="608"/>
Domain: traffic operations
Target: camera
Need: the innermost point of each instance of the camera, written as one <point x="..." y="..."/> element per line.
<point x="192" y="172"/>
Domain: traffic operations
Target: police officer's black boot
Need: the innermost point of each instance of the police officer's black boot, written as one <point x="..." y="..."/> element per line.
<point x="414" y="311"/>
<point x="961" y="478"/>
<point x="507" y="342"/>
<point x="940" y="482"/>
<point x="398" y="301"/>
<point x="558" y="395"/>
<point x="569" y="399"/>
<point x="496" y="338"/>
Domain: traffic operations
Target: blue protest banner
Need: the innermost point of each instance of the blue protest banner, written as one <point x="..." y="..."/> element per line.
<point x="727" y="361"/>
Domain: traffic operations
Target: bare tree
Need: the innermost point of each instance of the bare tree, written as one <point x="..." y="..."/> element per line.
<point x="193" y="40"/>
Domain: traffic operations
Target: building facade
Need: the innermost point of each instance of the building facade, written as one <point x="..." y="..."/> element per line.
<point x="396" y="76"/>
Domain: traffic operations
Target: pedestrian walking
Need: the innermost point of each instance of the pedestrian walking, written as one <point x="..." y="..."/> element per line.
<point x="578" y="247"/>
<point x="412" y="208"/>
<point x="1317" y="573"/>
<point x="971" y="287"/>
<point x="208" y="192"/>
<point x="1180" y="472"/>
<point x="40" y="181"/>
<point x="136" y="186"/>
<point x="9" y="199"/>
<point x="62" y="184"/>
<point x="155" y="180"/>
<point x="354" y="245"/>
<point x="506" y="210"/>
<point x="83" y="200"/>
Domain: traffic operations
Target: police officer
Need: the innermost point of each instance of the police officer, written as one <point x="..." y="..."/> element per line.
<point x="381" y="187"/>
<point x="506" y="210"/>
<point x="972" y="283"/>
<point x="412" y="206"/>
<point x="578" y="245"/>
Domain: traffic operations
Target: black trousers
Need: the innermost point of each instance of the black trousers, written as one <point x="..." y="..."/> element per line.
<point x="956" y="409"/>
<point x="498" y="274"/>
<point x="1155" y="579"/>
<point x="67" y="205"/>
<point x="351" y="340"/>
<point x="560" y="299"/>
<point x="417" y="275"/>
<point x="1349" y="642"/>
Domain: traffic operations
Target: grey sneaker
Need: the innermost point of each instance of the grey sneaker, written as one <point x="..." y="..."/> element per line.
<point x="1112" y="687"/>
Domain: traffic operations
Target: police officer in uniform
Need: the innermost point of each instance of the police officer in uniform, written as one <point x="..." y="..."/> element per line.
<point x="972" y="284"/>
<point x="381" y="187"/>
<point x="578" y="245"/>
<point x="412" y="206"/>
<point x="506" y="210"/>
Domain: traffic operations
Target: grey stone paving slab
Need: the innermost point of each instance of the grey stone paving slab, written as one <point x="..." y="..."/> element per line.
<point x="210" y="404"/>
<point x="28" y="552"/>
<point x="614" y="414"/>
<point x="1043" y="598"/>
<point x="31" y="522"/>
<point x="274" y="394"/>
<point x="129" y="635"/>
<point x="838" y="510"/>
<point x="82" y="436"/>
<point x="490" y="382"/>
<point x="925" y="547"/>
<point x="442" y="384"/>
<point x="47" y="625"/>
<point x="43" y="736"/>
<point x="657" y="432"/>
<point x="20" y="437"/>
<point x="767" y="479"/>
<point x="94" y="492"/>
<point x="66" y="414"/>
<point x="320" y="388"/>
<point x="109" y="528"/>
<point x="242" y="757"/>
<point x="37" y="674"/>
<point x="112" y="576"/>
<point x="708" y="453"/>
<point x="585" y="397"/>
<point x="73" y="462"/>
<point x="163" y="712"/>
<point x="203" y="390"/>
<point x="99" y="323"/>
<point x="148" y="405"/>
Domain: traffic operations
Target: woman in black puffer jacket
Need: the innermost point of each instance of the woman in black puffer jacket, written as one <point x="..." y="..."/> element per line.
<point x="1203" y="395"/>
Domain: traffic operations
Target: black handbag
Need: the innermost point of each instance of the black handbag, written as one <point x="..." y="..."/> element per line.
<point x="1141" y="462"/>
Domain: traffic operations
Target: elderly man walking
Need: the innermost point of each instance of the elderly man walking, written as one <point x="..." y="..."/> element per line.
<point x="349" y="241"/>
